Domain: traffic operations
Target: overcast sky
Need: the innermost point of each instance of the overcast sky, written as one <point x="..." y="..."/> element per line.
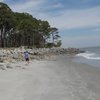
<point x="78" y="21"/>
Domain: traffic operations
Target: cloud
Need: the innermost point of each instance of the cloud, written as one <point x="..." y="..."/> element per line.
<point x="70" y="19"/>
<point x="62" y="19"/>
<point x="81" y="41"/>
<point x="58" y="5"/>
<point x="96" y="30"/>
<point x="1" y="0"/>
<point x="28" y="5"/>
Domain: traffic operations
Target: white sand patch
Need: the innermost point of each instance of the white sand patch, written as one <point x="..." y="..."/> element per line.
<point x="44" y="80"/>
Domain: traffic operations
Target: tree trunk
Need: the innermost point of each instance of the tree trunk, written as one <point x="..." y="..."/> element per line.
<point x="53" y="39"/>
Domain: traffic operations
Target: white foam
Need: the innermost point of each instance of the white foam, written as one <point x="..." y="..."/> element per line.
<point x="88" y="55"/>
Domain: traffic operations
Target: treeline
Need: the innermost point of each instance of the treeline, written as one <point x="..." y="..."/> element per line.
<point x="22" y="29"/>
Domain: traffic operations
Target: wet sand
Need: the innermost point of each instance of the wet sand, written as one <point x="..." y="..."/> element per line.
<point x="60" y="79"/>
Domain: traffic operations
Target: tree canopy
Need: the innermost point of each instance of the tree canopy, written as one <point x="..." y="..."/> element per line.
<point x="22" y="29"/>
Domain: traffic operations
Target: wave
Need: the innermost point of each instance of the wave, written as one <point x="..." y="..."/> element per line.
<point x="88" y="55"/>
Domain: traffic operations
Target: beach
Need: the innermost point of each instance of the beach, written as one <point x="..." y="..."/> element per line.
<point x="57" y="79"/>
<point x="49" y="50"/>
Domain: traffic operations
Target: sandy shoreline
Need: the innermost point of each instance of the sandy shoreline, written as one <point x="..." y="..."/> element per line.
<point x="50" y="80"/>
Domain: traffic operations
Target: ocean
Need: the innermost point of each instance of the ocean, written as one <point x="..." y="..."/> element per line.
<point x="91" y="56"/>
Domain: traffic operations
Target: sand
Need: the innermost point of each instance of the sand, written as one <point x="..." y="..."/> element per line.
<point x="50" y="80"/>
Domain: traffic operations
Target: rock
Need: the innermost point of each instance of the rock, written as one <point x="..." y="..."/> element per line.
<point x="2" y="66"/>
<point x="13" y="61"/>
<point x="18" y="66"/>
<point x="9" y="66"/>
<point x="2" y="54"/>
<point x="1" y="60"/>
<point x="41" y="53"/>
<point x="15" y="56"/>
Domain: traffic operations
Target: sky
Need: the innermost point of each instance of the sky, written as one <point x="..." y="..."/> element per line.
<point x="78" y="21"/>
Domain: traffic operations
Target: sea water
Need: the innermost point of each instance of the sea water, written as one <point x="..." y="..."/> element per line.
<point x="91" y="56"/>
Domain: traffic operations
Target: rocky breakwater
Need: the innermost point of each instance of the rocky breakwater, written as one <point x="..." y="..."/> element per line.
<point x="13" y="55"/>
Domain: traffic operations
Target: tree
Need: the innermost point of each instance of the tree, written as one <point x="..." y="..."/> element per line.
<point x="43" y="32"/>
<point x="22" y="29"/>
<point x="54" y="35"/>
<point x="6" y="22"/>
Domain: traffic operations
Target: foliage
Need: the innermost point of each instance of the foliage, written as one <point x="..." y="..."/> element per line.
<point x="22" y="29"/>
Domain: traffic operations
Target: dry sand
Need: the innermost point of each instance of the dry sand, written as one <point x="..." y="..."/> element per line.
<point x="50" y="80"/>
